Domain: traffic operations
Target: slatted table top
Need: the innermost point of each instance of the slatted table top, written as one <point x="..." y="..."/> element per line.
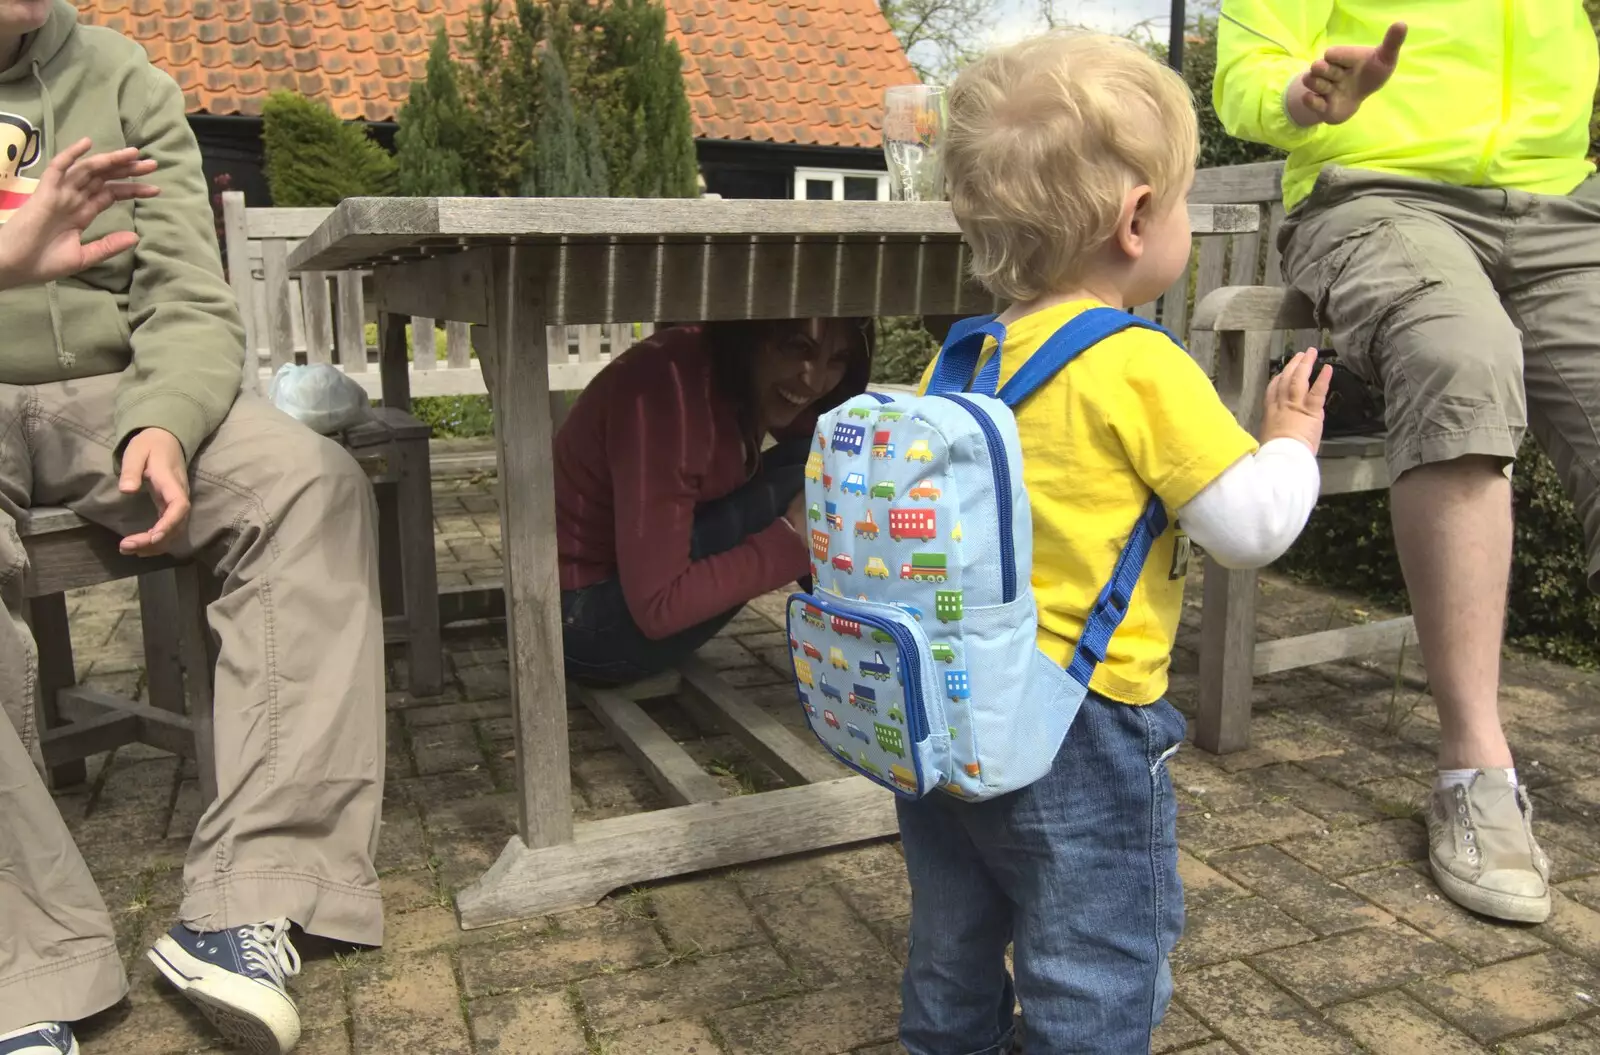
<point x="365" y="232"/>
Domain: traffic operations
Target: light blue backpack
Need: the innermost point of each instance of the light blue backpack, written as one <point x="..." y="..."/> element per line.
<point x="915" y="656"/>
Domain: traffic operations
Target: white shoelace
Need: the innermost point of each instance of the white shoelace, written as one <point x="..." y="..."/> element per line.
<point x="266" y="947"/>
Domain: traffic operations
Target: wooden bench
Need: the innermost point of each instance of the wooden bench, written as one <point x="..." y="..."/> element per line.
<point x="392" y="446"/>
<point x="65" y="553"/>
<point x="1239" y="326"/>
<point x="321" y="317"/>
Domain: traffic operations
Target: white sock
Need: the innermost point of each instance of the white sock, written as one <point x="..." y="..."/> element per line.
<point x="1445" y="779"/>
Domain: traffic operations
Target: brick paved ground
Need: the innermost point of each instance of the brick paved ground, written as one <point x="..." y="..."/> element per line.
<point x="1313" y="927"/>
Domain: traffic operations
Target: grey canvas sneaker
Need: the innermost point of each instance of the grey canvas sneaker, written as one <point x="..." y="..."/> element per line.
<point x="1481" y="847"/>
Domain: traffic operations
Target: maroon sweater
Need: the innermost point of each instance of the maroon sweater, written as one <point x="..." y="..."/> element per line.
<point x="649" y="439"/>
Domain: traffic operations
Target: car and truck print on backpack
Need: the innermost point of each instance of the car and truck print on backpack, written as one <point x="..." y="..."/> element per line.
<point x="886" y="521"/>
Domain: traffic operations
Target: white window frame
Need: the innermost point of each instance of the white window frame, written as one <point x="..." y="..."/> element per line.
<point x="836" y="177"/>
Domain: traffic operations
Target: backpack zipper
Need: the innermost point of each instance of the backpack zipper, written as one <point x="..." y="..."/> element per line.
<point x="1002" y="490"/>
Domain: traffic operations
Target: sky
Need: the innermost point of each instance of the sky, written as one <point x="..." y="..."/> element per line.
<point x="1020" y="17"/>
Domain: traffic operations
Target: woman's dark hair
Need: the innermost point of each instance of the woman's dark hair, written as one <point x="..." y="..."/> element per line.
<point x="733" y="345"/>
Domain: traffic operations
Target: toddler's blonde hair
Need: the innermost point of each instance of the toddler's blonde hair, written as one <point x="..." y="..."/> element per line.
<point x="1045" y="139"/>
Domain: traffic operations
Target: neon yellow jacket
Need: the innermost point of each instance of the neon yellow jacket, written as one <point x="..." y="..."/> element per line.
<point x="1492" y="93"/>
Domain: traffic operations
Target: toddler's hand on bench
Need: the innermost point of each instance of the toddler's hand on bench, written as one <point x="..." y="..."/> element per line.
<point x="1295" y="401"/>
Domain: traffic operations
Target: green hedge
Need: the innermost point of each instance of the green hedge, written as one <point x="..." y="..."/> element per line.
<point x="1349" y="545"/>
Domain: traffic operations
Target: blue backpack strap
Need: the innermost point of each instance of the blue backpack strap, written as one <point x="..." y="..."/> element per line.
<point x="959" y="357"/>
<point x="1112" y="605"/>
<point x="1066" y="344"/>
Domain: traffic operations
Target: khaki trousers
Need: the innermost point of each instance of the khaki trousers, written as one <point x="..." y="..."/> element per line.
<point x="1474" y="308"/>
<point x="286" y="518"/>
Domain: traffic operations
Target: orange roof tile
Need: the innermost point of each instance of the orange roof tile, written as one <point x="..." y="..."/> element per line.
<point x="781" y="71"/>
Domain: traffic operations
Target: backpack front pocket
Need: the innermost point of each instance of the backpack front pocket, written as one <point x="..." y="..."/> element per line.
<point x="864" y="674"/>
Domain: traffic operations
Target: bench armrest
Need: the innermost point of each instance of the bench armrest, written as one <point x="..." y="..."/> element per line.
<point x="1253" y="309"/>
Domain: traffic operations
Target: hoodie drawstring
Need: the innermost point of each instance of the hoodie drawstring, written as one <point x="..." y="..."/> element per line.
<point x="64" y="357"/>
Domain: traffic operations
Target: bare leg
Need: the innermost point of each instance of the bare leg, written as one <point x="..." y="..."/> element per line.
<point x="1452" y="526"/>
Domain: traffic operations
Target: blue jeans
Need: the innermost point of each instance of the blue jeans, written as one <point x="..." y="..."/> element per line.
<point x="601" y="643"/>
<point x="1079" y="870"/>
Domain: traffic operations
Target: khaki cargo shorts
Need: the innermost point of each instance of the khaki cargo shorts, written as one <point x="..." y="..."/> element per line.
<point x="1476" y="310"/>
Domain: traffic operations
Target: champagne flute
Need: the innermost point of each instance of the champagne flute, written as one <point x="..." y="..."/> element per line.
<point x="913" y="131"/>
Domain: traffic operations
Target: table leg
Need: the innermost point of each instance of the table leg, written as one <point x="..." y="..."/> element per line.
<point x="522" y="428"/>
<point x="393" y="368"/>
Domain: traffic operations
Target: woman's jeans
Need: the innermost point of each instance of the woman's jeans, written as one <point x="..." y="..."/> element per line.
<point x="603" y="644"/>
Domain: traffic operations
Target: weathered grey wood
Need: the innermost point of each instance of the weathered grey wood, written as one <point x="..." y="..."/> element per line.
<point x="1244" y="258"/>
<point x="1175" y="307"/>
<point x="1228" y="624"/>
<point x="604" y="855"/>
<point x="669" y="767"/>
<point x="1342" y="476"/>
<point x="366" y="231"/>
<point x="240" y="278"/>
<point x="48" y="520"/>
<point x="559" y="361"/>
<point x="160" y="624"/>
<point x="170" y="732"/>
<point x="1331" y="645"/>
<point x="280" y="325"/>
<point x="352" y="341"/>
<point x="589" y="344"/>
<point x="1227" y="649"/>
<point x="471" y="604"/>
<point x="443" y="287"/>
<point x="393" y="369"/>
<point x="318" y="316"/>
<point x="66" y="746"/>
<point x="1208" y="277"/>
<point x="666" y="683"/>
<point x="457" y="345"/>
<point x="1252" y="308"/>
<point x="424" y="343"/>
<point x="64" y="560"/>
<point x="519" y="290"/>
<point x="198" y="650"/>
<point x="285" y="221"/>
<point x="414" y="546"/>
<point x="762" y="735"/>
<point x="52" y="635"/>
<point x="1247" y="184"/>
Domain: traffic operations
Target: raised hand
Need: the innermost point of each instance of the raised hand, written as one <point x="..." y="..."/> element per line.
<point x="1336" y="85"/>
<point x="43" y="240"/>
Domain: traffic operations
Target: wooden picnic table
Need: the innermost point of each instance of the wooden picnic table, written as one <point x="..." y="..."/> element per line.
<point x="514" y="266"/>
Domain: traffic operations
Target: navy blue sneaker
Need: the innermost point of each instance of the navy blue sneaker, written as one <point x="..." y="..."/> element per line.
<point x="41" y="1038"/>
<point x="236" y="977"/>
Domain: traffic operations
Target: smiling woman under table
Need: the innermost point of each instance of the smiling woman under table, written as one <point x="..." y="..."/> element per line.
<point x="669" y="514"/>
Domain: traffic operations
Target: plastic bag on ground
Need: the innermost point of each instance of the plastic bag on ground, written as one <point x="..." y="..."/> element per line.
<point x="319" y="396"/>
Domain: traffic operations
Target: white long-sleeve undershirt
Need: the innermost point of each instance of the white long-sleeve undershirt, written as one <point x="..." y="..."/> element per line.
<point x="1251" y="514"/>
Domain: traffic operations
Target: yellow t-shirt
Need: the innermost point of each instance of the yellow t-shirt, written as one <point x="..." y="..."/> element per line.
<point x="1132" y="415"/>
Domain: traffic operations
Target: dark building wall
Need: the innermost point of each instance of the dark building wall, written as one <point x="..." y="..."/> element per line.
<point x="231" y="151"/>
<point x="766" y="170"/>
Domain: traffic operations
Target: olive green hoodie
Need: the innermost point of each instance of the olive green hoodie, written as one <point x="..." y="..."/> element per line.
<point x="162" y="316"/>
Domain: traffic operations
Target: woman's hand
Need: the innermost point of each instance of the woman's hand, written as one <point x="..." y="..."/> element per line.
<point x="796" y="514"/>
